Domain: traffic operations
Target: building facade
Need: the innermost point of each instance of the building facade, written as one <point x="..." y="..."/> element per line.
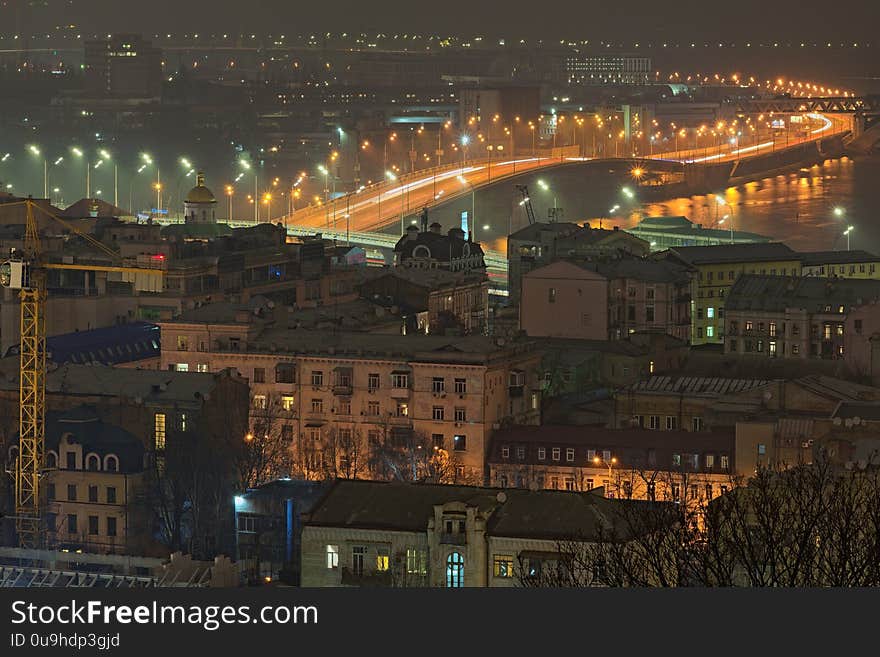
<point x="338" y="395"/>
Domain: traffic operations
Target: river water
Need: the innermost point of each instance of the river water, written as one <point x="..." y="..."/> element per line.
<point x="796" y="208"/>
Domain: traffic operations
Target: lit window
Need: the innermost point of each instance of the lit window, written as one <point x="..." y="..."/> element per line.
<point x="455" y="571"/>
<point x="159" y="431"/>
<point x="710" y="313"/>
<point x="416" y="561"/>
<point x="502" y="565"/>
<point x="260" y="401"/>
<point x="287" y="402"/>
<point x="382" y="559"/>
<point x="710" y="331"/>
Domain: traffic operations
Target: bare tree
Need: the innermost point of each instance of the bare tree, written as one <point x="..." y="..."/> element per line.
<point x="809" y="525"/>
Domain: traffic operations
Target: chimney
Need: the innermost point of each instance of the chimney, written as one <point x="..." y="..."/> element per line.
<point x="436" y="228"/>
<point x="456" y="233"/>
<point x="617" y="228"/>
<point x="412" y="233"/>
<point x="424" y="219"/>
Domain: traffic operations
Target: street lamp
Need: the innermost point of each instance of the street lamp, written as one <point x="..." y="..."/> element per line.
<point x="78" y="153"/>
<point x="473" y="221"/>
<point x="326" y="173"/>
<point x="106" y="155"/>
<point x="610" y="463"/>
<point x="849" y="229"/>
<point x="230" y="191"/>
<point x="36" y="151"/>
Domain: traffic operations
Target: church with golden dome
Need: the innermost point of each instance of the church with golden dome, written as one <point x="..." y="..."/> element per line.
<point x="200" y="205"/>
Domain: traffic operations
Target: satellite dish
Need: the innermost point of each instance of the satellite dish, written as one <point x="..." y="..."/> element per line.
<point x="857" y="420"/>
<point x="836" y="421"/>
<point x="501" y="497"/>
<point x="848" y="422"/>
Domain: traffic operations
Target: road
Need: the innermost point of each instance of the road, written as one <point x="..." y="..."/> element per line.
<point x="381" y="206"/>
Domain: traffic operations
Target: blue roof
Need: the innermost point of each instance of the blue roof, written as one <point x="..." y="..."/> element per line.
<point x="124" y="343"/>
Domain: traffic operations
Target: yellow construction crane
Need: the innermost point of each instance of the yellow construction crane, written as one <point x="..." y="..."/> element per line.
<point x="26" y="272"/>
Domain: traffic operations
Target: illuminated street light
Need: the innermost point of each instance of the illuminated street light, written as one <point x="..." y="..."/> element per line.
<point x="839" y="211"/>
<point x="849" y="229"/>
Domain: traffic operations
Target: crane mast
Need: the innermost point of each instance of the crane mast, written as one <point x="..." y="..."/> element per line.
<point x="26" y="272"/>
<point x="32" y="390"/>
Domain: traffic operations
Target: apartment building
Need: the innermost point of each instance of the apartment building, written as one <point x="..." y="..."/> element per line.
<point x="338" y="394"/>
<point x="843" y="264"/>
<point x="717" y="268"/>
<point x="94" y="484"/>
<point x="368" y="533"/>
<point x="677" y="466"/>
<point x="799" y="317"/>
<point x="606" y="300"/>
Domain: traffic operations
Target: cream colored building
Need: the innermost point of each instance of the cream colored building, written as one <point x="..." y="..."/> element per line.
<point x="341" y="393"/>
<point x="368" y="533"/>
<point x="94" y="477"/>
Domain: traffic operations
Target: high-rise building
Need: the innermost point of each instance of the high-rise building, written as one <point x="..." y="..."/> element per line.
<point x="608" y="69"/>
<point x="123" y="66"/>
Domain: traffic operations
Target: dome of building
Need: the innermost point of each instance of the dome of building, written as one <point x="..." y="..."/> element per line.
<point x="200" y="193"/>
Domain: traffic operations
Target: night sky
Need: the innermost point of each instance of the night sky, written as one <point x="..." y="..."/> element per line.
<point x="629" y="19"/>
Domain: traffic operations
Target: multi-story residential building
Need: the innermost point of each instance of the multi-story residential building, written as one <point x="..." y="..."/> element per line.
<point x="841" y="264"/>
<point x="540" y="244"/>
<point x="334" y="392"/>
<point x="861" y="332"/>
<point x="627" y="463"/>
<point x="670" y="403"/>
<point x="795" y="317"/>
<point x="368" y="533"/>
<point x="94" y="485"/>
<point x="717" y="269"/>
<point x="447" y="299"/>
<point x="606" y="300"/>
<point x="150" y="404"/>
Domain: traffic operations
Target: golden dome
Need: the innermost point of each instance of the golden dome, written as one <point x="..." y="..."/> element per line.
<point x="200" y="193"/>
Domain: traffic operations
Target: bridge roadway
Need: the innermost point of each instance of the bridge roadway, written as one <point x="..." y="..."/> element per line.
<point x="383" y="204"/>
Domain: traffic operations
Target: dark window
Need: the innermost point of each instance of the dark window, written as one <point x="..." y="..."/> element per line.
<point x="93" y="493"/>
<point x="71" y="460"/>
<point x="459" y="443"/>
<point x="71" y="492"/>
<point x="111" y="494"/>
<point x="259" y="375"/>
<point x="111" y="526"/>
<point x="71" y="523"/>
<point x="93" y="525"/>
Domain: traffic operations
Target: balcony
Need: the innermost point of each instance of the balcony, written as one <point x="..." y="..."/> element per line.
<point x="373" y="578"/>
<point x="342" y="389"/>
<point x="516" y="391"/>
<point x="400" y="393"/>
<point x="453" y="539"/>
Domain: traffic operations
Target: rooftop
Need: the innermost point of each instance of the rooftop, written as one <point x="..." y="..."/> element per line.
<point x="688" y="385"/>
<point x="532" y="232"/>
<point x="724" y="253"/>
<point x="83" y="426"/>
<point x="114" y="345"/>
<point x="810" y="293"/>
<point x="396" y="506"/>
<point x="102" y="380"/>
<point x="818" y="258"/>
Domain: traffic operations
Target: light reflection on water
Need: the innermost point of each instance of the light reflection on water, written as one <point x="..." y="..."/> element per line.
<point x="797" y="208"/>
